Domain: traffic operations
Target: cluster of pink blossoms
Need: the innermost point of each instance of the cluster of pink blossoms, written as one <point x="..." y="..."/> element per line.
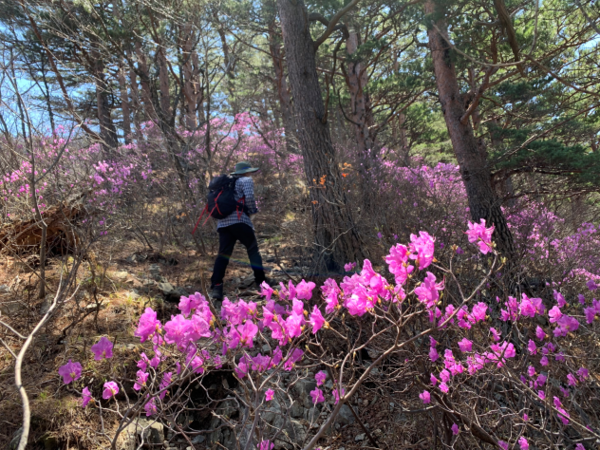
<point x="283" y="315"/>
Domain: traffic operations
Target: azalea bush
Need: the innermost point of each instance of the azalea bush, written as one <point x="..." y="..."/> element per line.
<point x="521" y="373"/>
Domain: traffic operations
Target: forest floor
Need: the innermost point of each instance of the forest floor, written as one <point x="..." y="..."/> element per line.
<point x="116" y="285"/>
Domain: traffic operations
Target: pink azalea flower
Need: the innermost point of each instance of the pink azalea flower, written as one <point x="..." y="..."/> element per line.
<point x="316" y="319"/>
<point x="433" y="354"/>
<point x="478" y="312"/>
<point x="269" y="395"/>
<point x="357" y="304"/>
<point x="266" y="291"/>
<point x="465" y="345"/>
<point x="349" y="267"/>
<point x="425" y="397"/>
<point x="531" y="371"/>
<point x="102" y="349"/>
<point x="565" y="324"/>
<point x="423" y="246"/>
<point x="579" y="447"/>
<point x="140" y="381"/>
<point x="454" y="429"/>
<point x="260" y="363"/>
<point x="541" y="380"/>
<point x="544" y="361"/>
<point x="583" y="373"/>
<point x="542" y="395"/>
<point x="555" y="314"/>
<point x="591" y="285"/>
<point x="560" y="300"/>
<point x="336" y="394"/>
<point x="525" y="417"/>
<point x="523" y="443"/>
<point x="331" y="292"/>
<point x="71" y="371"/>
<point x="478" y="233"/>
<point x="321" y="376"/>
<point x="398" y="263"/>
<point x="176" y="330"/>
<point x="295" y="356"/>
<point x="434" y="380"/>
<point x="304" y="290"/>
<point x="503" y="445"/>
<point x="147" y="325"/>
<point x="445" y="376"/>
<point x="266" y="445"/>
<point x="444" y="388"/>
<point x="317" y="396"/>
<point x="293" y="325"/>
<point x="247" y="333"/>
<point x="164" y="384"/>
<point x="110" y="390"/>
<point x="427" y="292"/>
<point x="581" y="299"/>
<point x="150" y="407"/>
<point x="572" y="380"/>
<point x="187" y="304"/>
<point x="496" y="336"/>
<point x="532" y="347"/>
<point x="540" y="333"/>
<point x="86" y="397"/>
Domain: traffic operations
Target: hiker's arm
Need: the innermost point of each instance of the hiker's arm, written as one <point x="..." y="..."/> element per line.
<point x="248" y="188"/>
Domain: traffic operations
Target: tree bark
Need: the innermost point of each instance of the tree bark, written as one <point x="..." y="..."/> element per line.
<point x="361" y="109"/>
<point x="163" y="78"/>
<point x="188" y="79"/>
<point x="145" y="83"/>
<point x="285" y="99"/>
<point x="475" y="172"/>
<point x="336" y="238"/>
<point x="108" y="132"/>
<point x="126" y="124"/>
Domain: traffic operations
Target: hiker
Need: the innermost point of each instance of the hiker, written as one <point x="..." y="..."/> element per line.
<point x="238" y="227"/>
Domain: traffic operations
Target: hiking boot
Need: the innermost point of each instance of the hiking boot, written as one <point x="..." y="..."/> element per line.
<point x="216" y="292"/>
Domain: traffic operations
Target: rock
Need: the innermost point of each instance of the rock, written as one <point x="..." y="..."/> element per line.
<point x="297" y="410"/>
<point x="11" y="307"/>
<point x="4" y="289"/>
<point x="345" y="416"/>
<point x="155" y="272"/>
<point x="294" y="432"/>
<point x="133" y="294"/>
<point x="359" y="437"/>
<point x="171" y="293"/>
<point x="199" y="439"/>
<point x="153" y="433"/>
<point x="121" y="276"/>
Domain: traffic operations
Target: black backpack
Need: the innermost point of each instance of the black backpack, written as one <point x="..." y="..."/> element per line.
<point x="221" y="197"/>
<point x="221" y="200"/>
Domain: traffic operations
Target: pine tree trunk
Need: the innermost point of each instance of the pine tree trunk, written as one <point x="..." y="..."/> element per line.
<point x="336" y="238"/>
<point x="108" y="132"/>
<point x="163" y="78"/>
<point x="285" y="100"/>
<point x="145" y="83"/>
<point x="475" y="172"/>
<point x="188" y="79"/>
<point x="126" y="124"/>
<point x="357" y="81"/>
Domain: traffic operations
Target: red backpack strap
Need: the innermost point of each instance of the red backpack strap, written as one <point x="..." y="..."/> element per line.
<point x="237" y="207"/>
<point x="200" y="218"/>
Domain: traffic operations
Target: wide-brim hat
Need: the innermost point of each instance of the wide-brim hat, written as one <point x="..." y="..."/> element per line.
<point x="244" y="167"/>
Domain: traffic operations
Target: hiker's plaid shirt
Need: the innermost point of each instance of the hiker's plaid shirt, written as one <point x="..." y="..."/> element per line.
<point x="244" y="187"/>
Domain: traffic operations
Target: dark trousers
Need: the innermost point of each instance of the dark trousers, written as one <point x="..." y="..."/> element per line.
<point x="228" y="236"/>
